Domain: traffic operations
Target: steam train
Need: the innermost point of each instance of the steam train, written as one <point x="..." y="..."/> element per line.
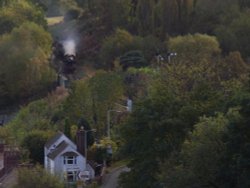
<point x="69" y="64"/>
<point x="67" y="61"/>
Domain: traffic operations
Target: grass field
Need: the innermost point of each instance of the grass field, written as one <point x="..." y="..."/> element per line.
<point x="54" y="20"/>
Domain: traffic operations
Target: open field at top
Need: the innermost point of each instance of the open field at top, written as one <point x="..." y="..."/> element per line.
<point x="54" y="20"/>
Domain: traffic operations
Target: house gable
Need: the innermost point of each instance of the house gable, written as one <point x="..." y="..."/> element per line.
<point x="55" y="141"/>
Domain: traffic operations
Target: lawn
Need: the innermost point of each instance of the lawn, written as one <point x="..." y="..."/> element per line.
<point x="54" y="20"/>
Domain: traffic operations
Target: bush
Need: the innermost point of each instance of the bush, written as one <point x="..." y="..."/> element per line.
<point x="37" y="177"/>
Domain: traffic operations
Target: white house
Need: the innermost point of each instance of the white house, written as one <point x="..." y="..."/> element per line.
<point x="62" y="158"/>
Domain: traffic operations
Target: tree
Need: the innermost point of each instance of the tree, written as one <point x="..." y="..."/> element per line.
<point x="205" y="149"/>
<point x="29" y="46"/>
<point x="132" y="59"/>
<point x="194" y="48"/>
<point x="16" y="13"/>
<point x="114" y="46"/>
<point x="42" y="115"/>
<point x="152" y="132"/>
<point x="34" y="142"/>
<point x="106" y="89"/>
<point x="233" y="35"/>
<point x="234" y="169"/>
<point x="233" y="67"/>
<point x="92" y="98"/>
<point x="206" y="15"/>
<point x="144" y="11"/>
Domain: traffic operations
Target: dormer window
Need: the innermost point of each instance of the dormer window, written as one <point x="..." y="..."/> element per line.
<point x="69" y="160"/>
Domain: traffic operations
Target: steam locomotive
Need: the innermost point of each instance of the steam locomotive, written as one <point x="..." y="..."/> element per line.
<point x="68" y="61"/>
<point x="69" y="64"/>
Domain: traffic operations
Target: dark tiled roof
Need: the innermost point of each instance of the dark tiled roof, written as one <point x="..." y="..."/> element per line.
<point x="70" y="154"/>
<point x="53" y="154"/>
<point x="51" y="141"/>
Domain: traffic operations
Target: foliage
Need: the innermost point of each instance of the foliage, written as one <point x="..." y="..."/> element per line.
<point x="132" y="59"/>
<point x="194" y="48"/>
<point x="34" y="142"/>
<point x="38" y="177"/>
<point x="122" y="43"/>
<point x="92" y="98"/>
<point x="114" y="46"/>
<point x="150" y="135"/>
<point x="99" y="151"/>
<point x="233" y="36"/>
<point x="233" y="66"/>
<point x="55" y="8"/>
<point x="5" y="135"/>
<point x="214" y="155"/>
<point x="112" y="14"/>
<point x="44" y="115"/>
<point x="71" y="14"/>
<point x="16" y="13"/>
<point x="177" y="96"/>
<point x="206" y="14"/>
<point x="29" y="46"/>
<point x="205" y="149"/>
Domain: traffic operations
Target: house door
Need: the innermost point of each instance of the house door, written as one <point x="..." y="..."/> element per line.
<point x="71" y="176"/>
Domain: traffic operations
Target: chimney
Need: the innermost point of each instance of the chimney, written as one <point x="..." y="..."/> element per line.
<point x="80" y="141"/>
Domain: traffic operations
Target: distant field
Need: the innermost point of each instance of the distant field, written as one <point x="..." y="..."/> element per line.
<point x="54" y="20"/>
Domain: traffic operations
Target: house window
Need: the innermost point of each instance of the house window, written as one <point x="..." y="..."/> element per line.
<point x="69" y="160"/>
<point x="71" y="176"/>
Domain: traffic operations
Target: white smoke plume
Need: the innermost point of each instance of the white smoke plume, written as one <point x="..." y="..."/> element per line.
<point x="69" y="47"/>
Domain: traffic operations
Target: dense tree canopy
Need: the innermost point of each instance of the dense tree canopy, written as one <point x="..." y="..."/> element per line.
<point x="25" y="53"/>
<point x="189" y="123"/>
<point x="16" y="13"/>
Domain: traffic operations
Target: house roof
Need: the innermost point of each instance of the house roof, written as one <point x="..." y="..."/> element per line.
<point x="62" y="146"/>
<point x="51" y="141"/>
<point x="70" y="154"/>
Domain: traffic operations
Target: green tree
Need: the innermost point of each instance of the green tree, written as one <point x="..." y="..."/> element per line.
<point x="92" y="98"/>
<point x="233" y="67"/>
<point x="207" y="14"/>
<point x="132" y="59"/>
<point x="152" y="132"/>
<point x="233" y="36"/>
<point x="38" y="115"/>
<point x="16" y="13"/>
<point x="114" y="46"/>
<point x="111" y="13"/>
<point x="205" y="149"/>
<point x="106" y="89"/>
<point x="144" y="12"/>
<point x="34" y="142"/>
<point x="234" y="168"/>
<point x="194" y="48"/>
<point x="29" y="46"/>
